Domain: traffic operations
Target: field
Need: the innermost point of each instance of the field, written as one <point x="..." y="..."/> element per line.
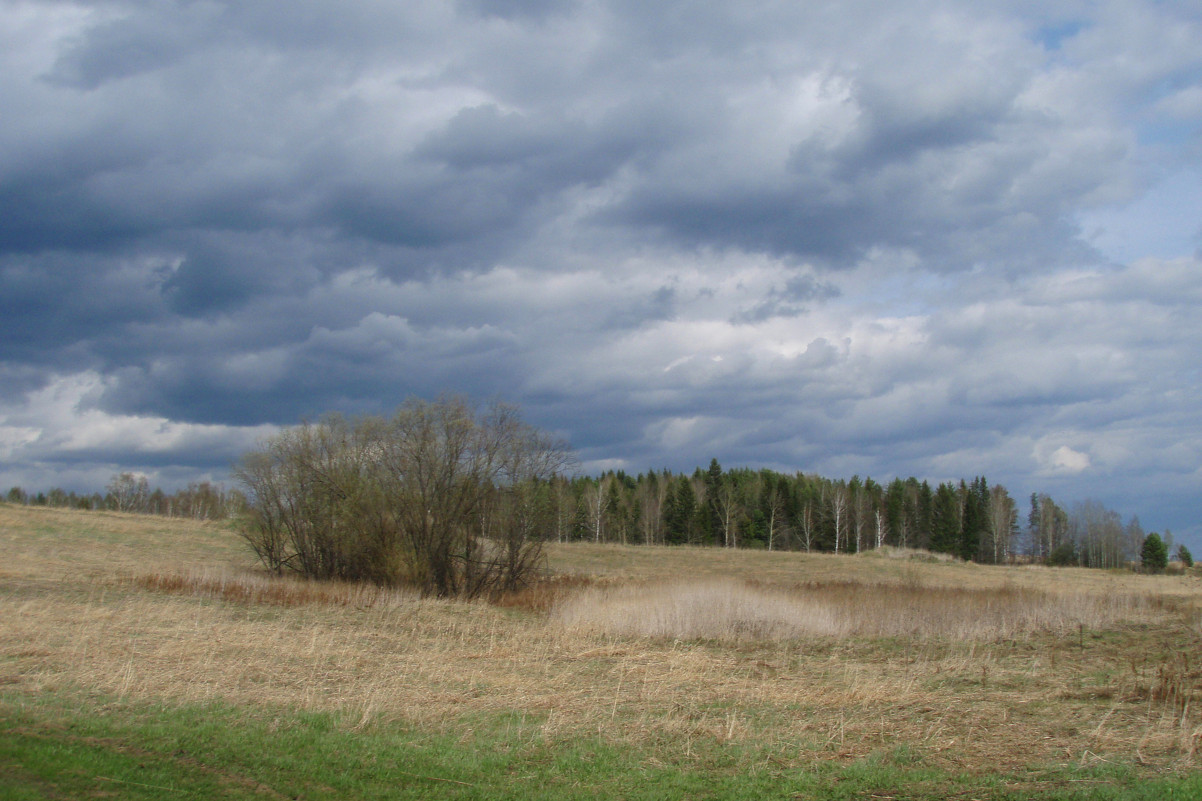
<point x="143" y="657"/>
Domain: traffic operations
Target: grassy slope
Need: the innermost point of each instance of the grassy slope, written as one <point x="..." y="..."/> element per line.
<point x="112" y="687"/>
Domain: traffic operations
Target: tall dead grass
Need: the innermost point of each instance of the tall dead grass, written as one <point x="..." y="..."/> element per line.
<point x="727" y="609"/>
<point x="246" y="587"/>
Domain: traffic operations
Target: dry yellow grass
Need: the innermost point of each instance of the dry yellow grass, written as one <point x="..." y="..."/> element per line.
<point x="179" y="616"/>
<point x="728" y="609"/>
<point x="70" y="543"/>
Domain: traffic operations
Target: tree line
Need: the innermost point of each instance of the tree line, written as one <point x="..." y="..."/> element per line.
<point x="969" y="519"/>
<point x="763" y="508"/>
<point x="130" y="492"/>
<point x="458" y="501"/>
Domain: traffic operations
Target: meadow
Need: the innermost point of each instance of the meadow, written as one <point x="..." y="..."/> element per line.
<point x="146" y="657"/>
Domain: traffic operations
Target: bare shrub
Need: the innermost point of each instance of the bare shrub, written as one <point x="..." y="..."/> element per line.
<point x="439" y="497"/>
<point x="733" y="610"/>
<point x="314" y="505"/>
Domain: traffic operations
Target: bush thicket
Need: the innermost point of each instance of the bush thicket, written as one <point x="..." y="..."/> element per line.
<point x="439" y="496"/>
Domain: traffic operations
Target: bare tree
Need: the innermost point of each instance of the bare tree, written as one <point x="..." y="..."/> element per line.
<point x="652" y="495"/>
<point x="805" y="522"/>
<point x="774" y="501"/>
<point x="838" y="502"/>
<point x="563" y="502"/>
<point x="129" y="492"/>
<point x="1003" y="521"/>
<point x="859" y="512"/>
<point x="729" y="505"/>
<point x="596" y="500"/>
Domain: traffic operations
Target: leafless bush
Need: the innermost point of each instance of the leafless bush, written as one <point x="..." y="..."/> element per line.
<point x="453" y="502"/>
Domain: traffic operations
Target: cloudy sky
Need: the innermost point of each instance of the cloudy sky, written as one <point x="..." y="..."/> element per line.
<point x="926" y="238"/>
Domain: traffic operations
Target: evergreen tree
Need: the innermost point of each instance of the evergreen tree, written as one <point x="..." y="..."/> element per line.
<point x="616" y="512"/>
<point x="1154" y="556"/>
<point x="581" y="520"/>
<point x="945" y="520"/>
<point x="975" y="524"/>
<point x="1063" y="555"/>
<point x="896" y="519"/>
<point x="679" y="510"/>
<point x="926" y="503"/>
<point x="711" y="516"/>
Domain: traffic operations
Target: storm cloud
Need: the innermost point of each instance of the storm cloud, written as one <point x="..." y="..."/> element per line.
<point x="930" y="239"/>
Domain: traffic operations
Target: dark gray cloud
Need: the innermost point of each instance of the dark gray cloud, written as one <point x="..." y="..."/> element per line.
<point x="843" y="237"/>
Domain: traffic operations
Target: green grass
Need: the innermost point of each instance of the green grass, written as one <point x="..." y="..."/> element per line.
<point x="81" y="746"/>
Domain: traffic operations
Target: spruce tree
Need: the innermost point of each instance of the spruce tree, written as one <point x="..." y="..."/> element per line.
<point x="679" y="512"/>
<point x="945" y="520"/>
<point x="1154" y="555"/>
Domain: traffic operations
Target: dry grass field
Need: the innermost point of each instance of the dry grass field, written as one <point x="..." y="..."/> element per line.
<point x="677" y="657"/>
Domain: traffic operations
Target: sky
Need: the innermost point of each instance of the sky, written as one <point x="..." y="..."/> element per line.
<point x="929" y="238"/>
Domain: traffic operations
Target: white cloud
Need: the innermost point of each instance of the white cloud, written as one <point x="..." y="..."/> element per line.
<point x="62" y="423"/>
<point x="1066" y="460"/>
<point x="13" y="439"/>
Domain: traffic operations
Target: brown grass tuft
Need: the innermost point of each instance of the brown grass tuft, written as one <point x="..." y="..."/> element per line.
<point x="545" y="593"/>
<point x="256" y="588"/>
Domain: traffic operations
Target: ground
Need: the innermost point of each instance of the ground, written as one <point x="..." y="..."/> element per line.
<point x="140" y="655"/>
